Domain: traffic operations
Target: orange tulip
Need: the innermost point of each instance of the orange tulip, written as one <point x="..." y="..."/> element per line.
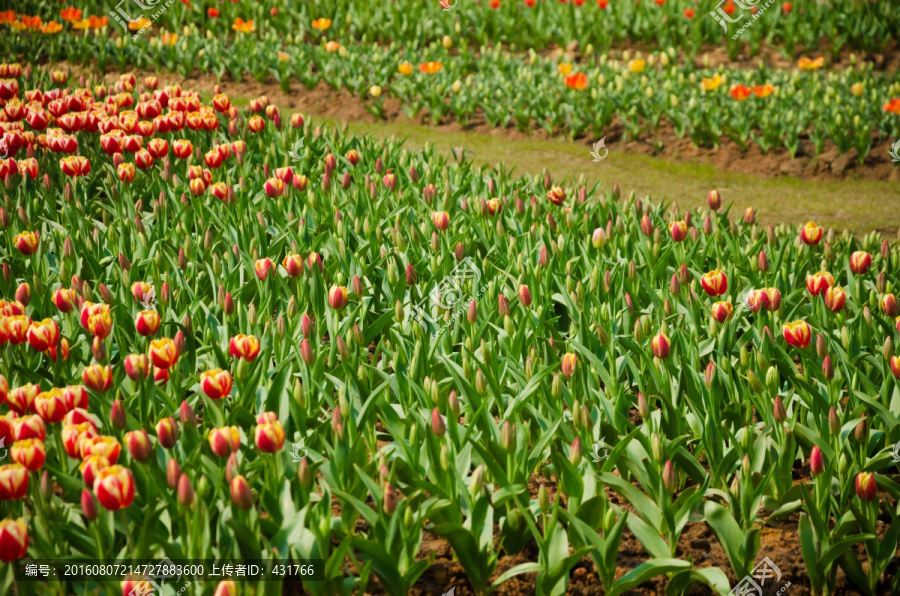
<point x="577" y="81"/>
<point x="740" y="92"/>
<point x="441" y="220"/>
<point x="556" y="195"/>
<point x="243" y="26"/>
<point x="430" y="67"/>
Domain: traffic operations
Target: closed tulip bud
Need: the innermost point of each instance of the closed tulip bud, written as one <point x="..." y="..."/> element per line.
<point x="89" y="505"/>
<point x="834" y="421"/>
<point x="755" y="384"/>
<point x="117" y="415"/>
<point x="306" y="352"/>
<point x="816" y="463"/>
<point x="660" y="345"/>
<point x="575" y="452"/>
<point x="459" y="252"/>
<point x="867" y="316"/>
<point x="502" y="305"/>
<point x="543" y="498"/>
<point x="173" y="473"/>
<point x="437" y="424"/>
<point x="861" y="431"/>
<point x="507" y="436"/>
<point x="389" y="500"/>
<point x="186" y="493"/>
<point x="669" y="477"/>
<point x="710" y="373"/>
<point x="880" y="282"/>
<point x="656" y="448"/>
<point x="106" y="294"/>
<point x="714" y="200"/>
<point x="778" y="410"/>
<point x="866" y="486"/>
<point x="241" y="495"/>
<point x="675" y="285"/>
<point x="763" y="261"/>
<point x="399" y="313"/>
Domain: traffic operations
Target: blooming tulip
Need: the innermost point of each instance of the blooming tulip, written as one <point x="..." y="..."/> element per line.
<point x="216" y="383"/>
<point x="889" y="305"/>
<point x="13" y="539"/>
<point x="715" y="283"/>
<point x="337" y="297"/>
<point x="13" y="482"/>
<point x="835" y="298"/>
<point x="818" y="283"/>
<point x="269" y="437"/>
<point x="114" y="487"/>
<point x="29" y="453"/>
<point x="26" y="242"/>
<point x="74" y="434"/>
<point x="722" y="311"/>
<point x="860" y="261"/>
<point x="147" y="322"/>
<point x="678" y="230"/>
<point x="163" y="352"/>
<point x="43" y="335"/>
<point x="244" y="346"/>
<point x="810" y="234"/>
<point x="107" y="447"/>
<point x="98" y="377"/>
<point x="797" y="333"/>
<point x="262" y="268"/>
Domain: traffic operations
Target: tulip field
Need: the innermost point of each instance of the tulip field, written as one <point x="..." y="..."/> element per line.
<point x="233" y="333"/>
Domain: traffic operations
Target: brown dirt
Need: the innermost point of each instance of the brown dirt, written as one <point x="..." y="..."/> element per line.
<point x="336" y="106"/>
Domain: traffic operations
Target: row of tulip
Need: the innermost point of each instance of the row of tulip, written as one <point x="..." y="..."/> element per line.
<point x="212" y="346"/>
<point x="852" y="108"/>
<point x="534" y="24"/>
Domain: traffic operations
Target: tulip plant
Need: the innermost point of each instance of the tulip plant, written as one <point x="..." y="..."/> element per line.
<point x="216" y="346"/>
<point x="581" y="94"/>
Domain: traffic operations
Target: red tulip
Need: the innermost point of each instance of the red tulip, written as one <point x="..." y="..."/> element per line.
<point x="13" y="539"/>
<point x="147" y="322"/>
<point x="835" y="298"/>
<point x="722" y="311"/>
<point x="114" y="487"/>
<point x="337" y="297"/>
<point x="216" y="383"/>
<point x="269" y="437"/>
<point x="818" y="283"/>
<point x="811" y="234"/>
<point x="569" y="361"/>
<point x="98" y="377"/>
<point x="13" y="482"/>
<point x="860" y="261"/>
<point x="225" y="440"/>
<point x="866" y="486"/>
<point x="715" y="283"/>
<point x="661" y="346"/>
<point x="29" y="453"/>
<point x="163" y="353"/>
<point x="244" y="346"/>
<point x="797" y="333"/>
<point x="43" y="335"/>
<point x="74" y="434"/>
<point x="678" y="230"/>
<point x="816" y="463"/>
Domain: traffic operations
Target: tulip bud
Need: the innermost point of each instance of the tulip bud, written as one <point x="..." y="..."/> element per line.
<point x="816" y="463"/>
<point x="778" y="410"/>
<point x="861" y="431"/>
<point x="173" y="473"/>
<point x="643" y="407"/>
<point x="185" y="491"/>
<point x="507" y="436"/>
<point x="656" y="448"/>
<point x="186" y="414"/>
<point x="755" y="384"/>
<point x="453" y="403"/>
<point x="834" y="421"/>
<point x="305" y="475"/>
<point x="241" y="495"/>
<point x="675" y="285"/>
<point x="543" y="498"/>
<point x="763" y="261"/>
<point x="575" y="452"/>
<point x="389" y="501"/>
<point x="887" y="349"/>
<point x="117" y="415"/>
<point x="89" y="505"/>
<point x="828" y="368"/>
<point x="669" y="477"/>
<point x="866" y="487"/>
